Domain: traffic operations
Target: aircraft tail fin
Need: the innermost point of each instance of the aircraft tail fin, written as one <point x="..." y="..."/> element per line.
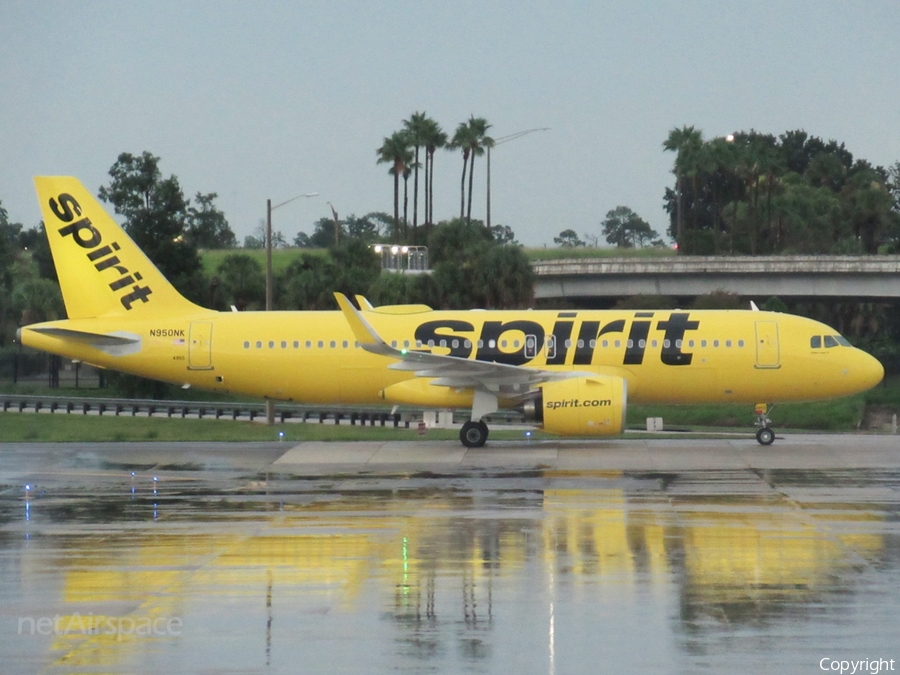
<point x="101" y="270"/>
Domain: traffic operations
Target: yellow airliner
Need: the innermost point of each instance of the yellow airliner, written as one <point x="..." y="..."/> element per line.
<point x="571" y="372"/>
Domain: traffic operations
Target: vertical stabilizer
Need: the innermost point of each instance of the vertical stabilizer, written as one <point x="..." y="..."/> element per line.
<point x="101" y="270"/>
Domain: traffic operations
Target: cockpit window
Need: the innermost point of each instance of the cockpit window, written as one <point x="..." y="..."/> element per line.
<point x="830" y="341"/>
<point x="842" y="341"/>
<point x="815" y="342"/>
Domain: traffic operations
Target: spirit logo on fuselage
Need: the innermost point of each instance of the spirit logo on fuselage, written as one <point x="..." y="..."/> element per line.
<point x="458" y="337"/>
<point x="83" y="233"/>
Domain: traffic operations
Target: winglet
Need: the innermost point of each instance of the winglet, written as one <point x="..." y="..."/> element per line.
<point x="366" y="336"/>
<point x="364" y="303"/>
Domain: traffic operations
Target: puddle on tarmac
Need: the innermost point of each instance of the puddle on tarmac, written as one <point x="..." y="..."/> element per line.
<point x="538" y="572"/>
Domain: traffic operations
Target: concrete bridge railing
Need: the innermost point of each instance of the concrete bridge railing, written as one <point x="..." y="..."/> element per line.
<point x="875" y="277"/>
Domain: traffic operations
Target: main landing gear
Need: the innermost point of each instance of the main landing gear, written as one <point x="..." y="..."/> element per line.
<point x="764" y="434"/>
<point x="473" y="434"/>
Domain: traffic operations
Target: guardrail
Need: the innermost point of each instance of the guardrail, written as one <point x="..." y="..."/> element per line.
<point x="200" y="409"/>
<point x="220" y="410"/>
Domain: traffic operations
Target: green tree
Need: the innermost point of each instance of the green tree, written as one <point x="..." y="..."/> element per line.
<point x="568" y="239"/>
<point x="503" y="234"/>
<point x="395" y="151"/>
<point x="472" y="269"/>
<point x="35" y="300"/>
<point x="252" y="242"/>
<point x="356" y="267"/>
<point x="458" y="241"/>
<point x="462" y="140"/>
<point x="367" y="228"/>
<point x="391" y="288"/>
<point x="240" y="281"/>
<point x="433" y="138"/>
<point x="323" y="233"/>
<point x="807" y="217"/>
<point x="685" y="143"/>
<point x="505" y="279"/>
<point x="416" y="129"/>
<point x="306" y="284"/>
<point x="471" y="137"/>
<point x="626" y="229"/>
<point x="9" y="252"/>
<point x="868" y="204"/>
<point x="207" y="227"/>
<point x="155" y="211"/>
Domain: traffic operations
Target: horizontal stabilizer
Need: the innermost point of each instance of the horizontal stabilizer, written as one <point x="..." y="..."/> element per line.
<point x="117" y="343"/>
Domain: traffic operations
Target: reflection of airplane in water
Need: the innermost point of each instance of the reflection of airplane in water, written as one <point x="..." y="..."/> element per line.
<point x="427" y="558"/>
<point x="571" y="372"/>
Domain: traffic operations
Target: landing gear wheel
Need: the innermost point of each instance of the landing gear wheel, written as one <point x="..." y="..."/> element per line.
<point x="473" y="434"/>
<point x="765" y="436"/>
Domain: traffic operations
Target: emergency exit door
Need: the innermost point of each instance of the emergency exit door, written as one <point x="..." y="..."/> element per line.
<point x="767" y="350"/>
<point x="200" y="346"/>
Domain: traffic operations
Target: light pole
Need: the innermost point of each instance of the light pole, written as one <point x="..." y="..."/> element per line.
<point x="270" y="404"/>
<point x="503" y="139"/>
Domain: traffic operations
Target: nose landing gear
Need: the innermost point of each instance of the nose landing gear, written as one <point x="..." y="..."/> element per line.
<point x="764" y="434"/>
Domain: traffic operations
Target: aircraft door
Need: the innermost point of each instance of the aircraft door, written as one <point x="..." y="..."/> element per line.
<point x="200" y="346"/>
<point x="767" y="349"/>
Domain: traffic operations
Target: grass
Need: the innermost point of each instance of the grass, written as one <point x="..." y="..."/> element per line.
<point x="281" y="257"/>
<point x="842" y="414"/>
<point x="62" y="428"/>
<point x="837" y="415"/>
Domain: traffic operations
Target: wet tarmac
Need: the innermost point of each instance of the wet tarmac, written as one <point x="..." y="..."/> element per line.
<point x="643" y="556"/>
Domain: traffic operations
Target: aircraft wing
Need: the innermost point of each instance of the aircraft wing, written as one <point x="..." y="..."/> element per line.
<point x="496" y="379"/>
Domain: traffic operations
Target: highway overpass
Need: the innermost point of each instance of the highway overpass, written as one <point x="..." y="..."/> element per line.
<point x="820" y="277"/>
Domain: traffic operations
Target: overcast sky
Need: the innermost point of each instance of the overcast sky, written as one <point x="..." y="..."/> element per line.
<point x="272" y="99"/>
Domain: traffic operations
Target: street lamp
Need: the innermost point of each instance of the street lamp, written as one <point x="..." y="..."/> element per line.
<point x="498" y="141"/>
<point x="269" y="209"/>
<point x="270" y="404"/>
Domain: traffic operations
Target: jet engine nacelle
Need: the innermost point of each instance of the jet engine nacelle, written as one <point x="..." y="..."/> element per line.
<point x="584" y="406"/>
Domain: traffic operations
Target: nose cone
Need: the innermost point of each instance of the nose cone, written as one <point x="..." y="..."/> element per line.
<point x="867" y="371"/>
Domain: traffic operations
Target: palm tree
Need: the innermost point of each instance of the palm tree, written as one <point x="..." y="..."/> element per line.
<point x="479" y="141"/>
<point x="685" y="142"/>
<point x="415" y="130"/>
<point x="432" y="138"/>
<point x="462" y="140"/>
<point x="395" y="151"/>
<point x="470" y="137"/>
